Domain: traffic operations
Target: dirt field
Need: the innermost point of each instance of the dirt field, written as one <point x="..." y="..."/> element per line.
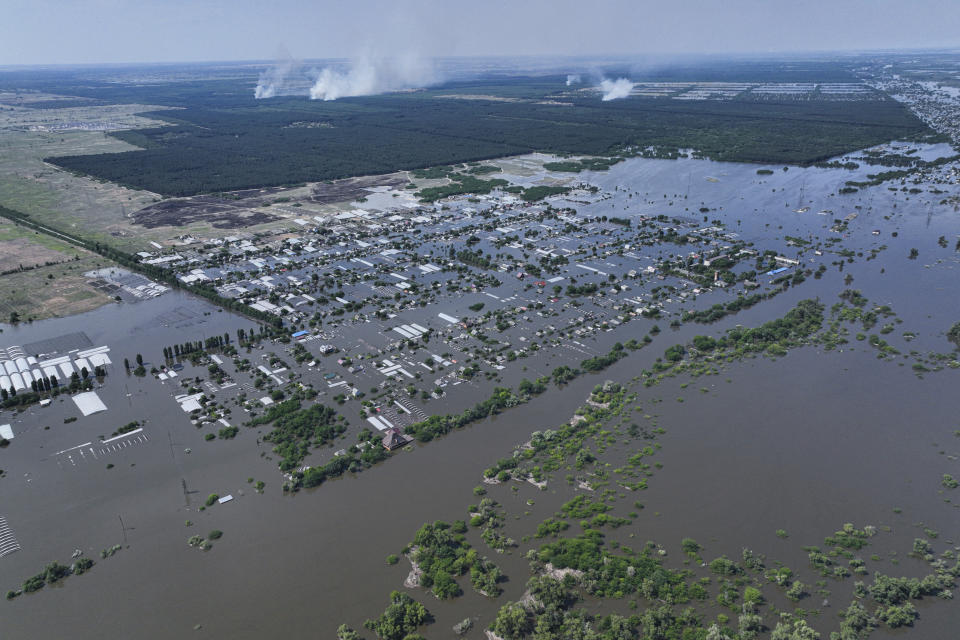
<point x="219" y="213"/>
<point x="130" y="219"/>
<point x="39" y="292"/>
<point x="353" y="188"/>
<point x="95" y="209"/>
<point x="21" y="247"/>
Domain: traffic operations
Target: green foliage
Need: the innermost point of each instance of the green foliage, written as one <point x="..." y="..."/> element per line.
<point x="228" y="433"/>
<point x="583" y="507"/>
<point x="690" y="546"/>
<point x="81" y="566"/>
<point x="220" y="140"/>
<point x="601" y="362"/>
<point x="587" y="164"/>
<point x="848" y="538"/>
<point x="953" y="334"/>
<point x="295" y="430"/>
<point x="513" y="622"/>
<point x="551" y="527"/>
<point x="400" y="619"/>
<point x="898" y="615"/>
<point x="723" y="566"/>
<point x="443" y="554"/>
<point x="534" y="194"/>
<point x="800" y="631"/>
<point x="461" y="184"/>
<point x="438" y="425"/>
<point x="718" y="311"/>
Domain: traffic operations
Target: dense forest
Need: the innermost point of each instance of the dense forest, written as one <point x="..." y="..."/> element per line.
<point x="220" y="139"/>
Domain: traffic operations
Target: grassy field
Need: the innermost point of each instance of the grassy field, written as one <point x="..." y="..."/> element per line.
<point x="53" y="291"/>
<point x="22" y="248"/>
<point x="94" y="208"/>
<point x="42" y="277"/>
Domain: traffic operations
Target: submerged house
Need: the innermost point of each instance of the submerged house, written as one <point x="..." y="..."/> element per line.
<point x="395" y="439"/>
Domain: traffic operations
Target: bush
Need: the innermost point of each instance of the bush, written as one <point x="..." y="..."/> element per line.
<point x="723" y="566"/>
<point x="689" y="545"/>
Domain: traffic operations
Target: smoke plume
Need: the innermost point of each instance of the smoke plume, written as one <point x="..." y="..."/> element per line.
<point x="369" y="76"/>
<point x="573" y="78"/>
<point x="277" y="79"/>
<point x="615" y="89"/>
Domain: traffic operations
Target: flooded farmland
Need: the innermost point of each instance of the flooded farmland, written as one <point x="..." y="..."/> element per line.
<point x="803" y="442"/>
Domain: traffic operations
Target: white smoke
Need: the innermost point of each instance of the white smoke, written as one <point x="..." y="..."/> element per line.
<point x="369" y="76"/>
<point x="615" y="89"/>
<point x="275" y="80"/>
<point x="573" y="78"/>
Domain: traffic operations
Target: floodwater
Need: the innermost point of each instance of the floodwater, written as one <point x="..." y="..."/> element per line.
<point x="805" y="443"/>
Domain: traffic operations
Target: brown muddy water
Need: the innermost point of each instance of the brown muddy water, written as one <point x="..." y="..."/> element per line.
<point x="805" y="443"/>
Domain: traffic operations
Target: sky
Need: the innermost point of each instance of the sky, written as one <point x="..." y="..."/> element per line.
<point x="122" y="31"/>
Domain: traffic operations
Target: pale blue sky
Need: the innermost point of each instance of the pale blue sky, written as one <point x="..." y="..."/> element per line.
<point x="92" y="31"/>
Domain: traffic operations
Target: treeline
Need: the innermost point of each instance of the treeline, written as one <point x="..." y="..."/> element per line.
<point x="718" y="311"/>
<point x="535" y="194"/>
<point x="49" y="386"/>
<point x="199" y="346"/>
<point x="587" y="164"/>
<point x="875" y="179"/>
<point x="438" y="425"/>
<point x="503" y="398"/>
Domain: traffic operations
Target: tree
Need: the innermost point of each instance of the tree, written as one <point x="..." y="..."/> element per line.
<point x="346" y="633"/>
<point x="512" y="622"/>
<point x="796" y="591"/>
<point x="689" y="545"/>
<point x="800" y="631"/>
<point x="899" y="615"/>
<point x="400" y="619"/>
<point x="714" y="633"/>
<point x="953" y="335"/>
<point x="139" y="359"/>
